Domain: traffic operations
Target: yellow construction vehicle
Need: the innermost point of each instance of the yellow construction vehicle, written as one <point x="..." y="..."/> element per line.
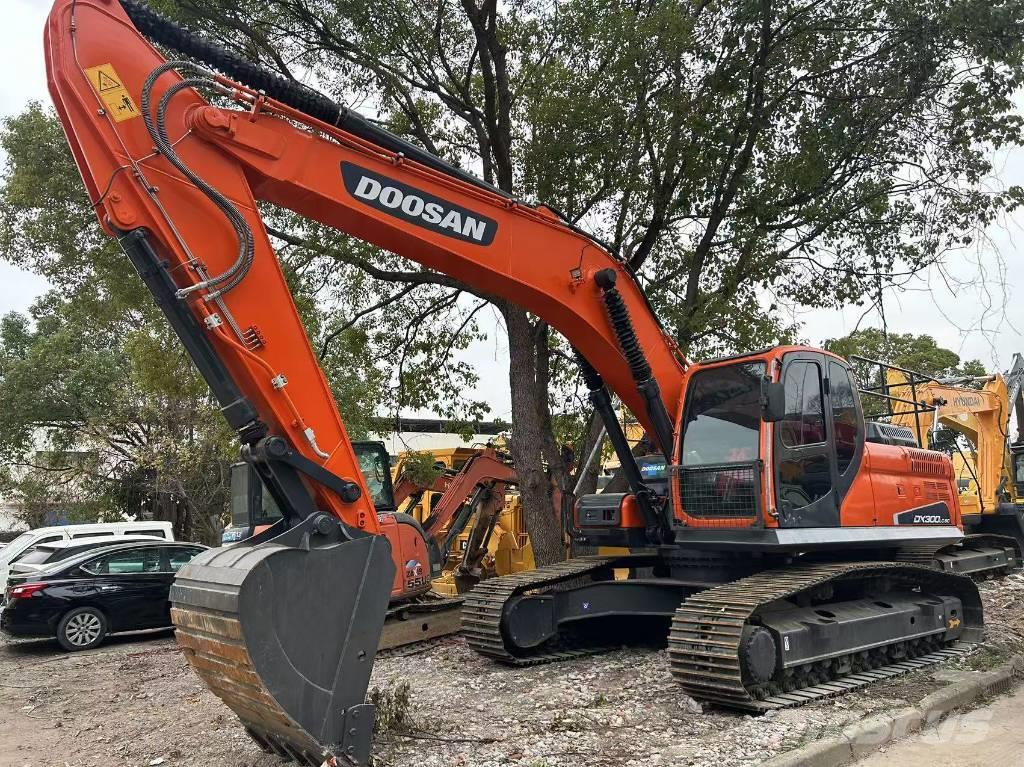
<point x="970" y="419"/>
<point x="486" y="535"/>
<point x="421" y="500"/>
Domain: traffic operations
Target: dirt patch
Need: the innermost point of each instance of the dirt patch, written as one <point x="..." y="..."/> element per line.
<point x="134" y="702"/>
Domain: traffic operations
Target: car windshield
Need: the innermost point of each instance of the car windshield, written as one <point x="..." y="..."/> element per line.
<point x="37" y="556"/>
<point x="13" y="545"/>
<point x="723" y="415"/>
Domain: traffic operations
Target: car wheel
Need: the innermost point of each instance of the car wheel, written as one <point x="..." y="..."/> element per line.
<point x="81" y="629"/>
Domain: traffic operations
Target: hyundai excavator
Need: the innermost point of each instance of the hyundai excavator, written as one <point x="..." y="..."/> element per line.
<point x="982" y="410"/>
<point x="786" y="545"/>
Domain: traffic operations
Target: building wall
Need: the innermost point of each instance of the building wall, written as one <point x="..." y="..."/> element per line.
<point x="8" y="522"/>
<point x="399" y="442"/>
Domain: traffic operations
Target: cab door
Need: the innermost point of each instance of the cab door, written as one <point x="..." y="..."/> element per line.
<point x="805" y="471"/>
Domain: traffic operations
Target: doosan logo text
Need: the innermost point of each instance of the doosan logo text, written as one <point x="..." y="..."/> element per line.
<point x="416" y="206"/>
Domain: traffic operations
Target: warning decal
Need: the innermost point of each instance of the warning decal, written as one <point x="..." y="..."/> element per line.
<point x="105" y="81"/>
<point x="113" y="94"/>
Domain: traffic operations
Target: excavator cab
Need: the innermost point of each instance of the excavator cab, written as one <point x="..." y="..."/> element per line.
<point x="254" y="510"/>
<point x="772" y="439"/>
<point x="1017" y="460"/>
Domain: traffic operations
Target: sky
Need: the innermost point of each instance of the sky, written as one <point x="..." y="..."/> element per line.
<point x="975" y="308"/>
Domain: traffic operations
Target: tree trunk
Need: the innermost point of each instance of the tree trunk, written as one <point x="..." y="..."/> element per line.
<point x="529" y="402"/>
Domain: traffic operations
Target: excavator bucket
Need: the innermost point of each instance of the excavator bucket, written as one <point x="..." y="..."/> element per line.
<point x="284" y="629"/>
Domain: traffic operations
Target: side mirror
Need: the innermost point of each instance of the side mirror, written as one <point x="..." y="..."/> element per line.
<point x="773" y="400"/>
<point x="942" y="439"/>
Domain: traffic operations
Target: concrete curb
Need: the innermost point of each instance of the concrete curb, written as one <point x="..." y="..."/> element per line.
<point x="868" y="735"/>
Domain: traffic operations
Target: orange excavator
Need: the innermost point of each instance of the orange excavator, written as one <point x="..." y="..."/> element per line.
<point x="784" y="545"/>
<point x="470" y="503"/>
<point x="475" y="493"/>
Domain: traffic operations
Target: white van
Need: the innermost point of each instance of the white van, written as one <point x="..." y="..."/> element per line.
<point x="27" y="542"/>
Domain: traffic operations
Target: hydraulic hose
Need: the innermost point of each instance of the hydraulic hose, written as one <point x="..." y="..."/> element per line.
<point x="157" y="129"/>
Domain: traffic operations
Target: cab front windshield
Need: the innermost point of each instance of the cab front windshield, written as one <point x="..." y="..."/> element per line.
<point x="723" y="415"/>
<point x="376" y="468"/>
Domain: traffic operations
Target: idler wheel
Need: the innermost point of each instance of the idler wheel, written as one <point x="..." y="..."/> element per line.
<point x="758" y="654"/>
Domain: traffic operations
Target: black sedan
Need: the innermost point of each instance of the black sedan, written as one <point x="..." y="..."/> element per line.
<point x="80" y="600"/>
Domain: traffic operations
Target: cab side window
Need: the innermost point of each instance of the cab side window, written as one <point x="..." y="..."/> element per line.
<point x="845" y="423"/>
<point x="804" y="423"/>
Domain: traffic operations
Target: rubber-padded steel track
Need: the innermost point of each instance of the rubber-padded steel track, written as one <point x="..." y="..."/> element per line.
<point x="707" y="631"/>
<point x="485" y="605"/>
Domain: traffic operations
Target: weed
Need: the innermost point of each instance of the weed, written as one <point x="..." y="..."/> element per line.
<point x="394" y="709"/>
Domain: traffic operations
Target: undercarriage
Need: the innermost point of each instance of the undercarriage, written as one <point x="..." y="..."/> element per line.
<point x="745" y="632"/>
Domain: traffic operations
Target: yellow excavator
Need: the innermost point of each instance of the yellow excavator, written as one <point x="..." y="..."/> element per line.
<point x="970" y="418"/>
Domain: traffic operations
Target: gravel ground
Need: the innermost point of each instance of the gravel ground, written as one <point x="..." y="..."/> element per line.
<point x="134" y="702"/>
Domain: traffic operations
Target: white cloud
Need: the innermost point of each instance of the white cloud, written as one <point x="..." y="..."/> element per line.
<point x="21" y="61"/>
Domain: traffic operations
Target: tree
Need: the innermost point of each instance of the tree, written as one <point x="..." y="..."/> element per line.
<point x="917" y="353"/>
<point x="811" y="151"/>
<point x="104" y="412"/>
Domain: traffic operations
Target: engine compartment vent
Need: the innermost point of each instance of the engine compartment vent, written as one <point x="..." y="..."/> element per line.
<point x="889" y="434"/>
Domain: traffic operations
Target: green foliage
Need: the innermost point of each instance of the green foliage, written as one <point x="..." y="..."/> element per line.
<point x="421" y="467"/>
<point x="744" y="157"/>
<point x="918" y="353"/>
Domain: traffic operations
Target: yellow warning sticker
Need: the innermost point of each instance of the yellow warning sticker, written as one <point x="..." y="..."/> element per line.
<point x="113" y="93"/>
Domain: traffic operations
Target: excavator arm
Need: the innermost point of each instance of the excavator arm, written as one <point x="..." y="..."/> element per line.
<point x="485" y="468"/>
<point x="981" y="415"/>
<point x="464" y="493"/>
<point x="178" y="181"/>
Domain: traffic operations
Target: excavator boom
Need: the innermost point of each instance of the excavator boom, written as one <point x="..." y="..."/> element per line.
<point x="178" y="182"/>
